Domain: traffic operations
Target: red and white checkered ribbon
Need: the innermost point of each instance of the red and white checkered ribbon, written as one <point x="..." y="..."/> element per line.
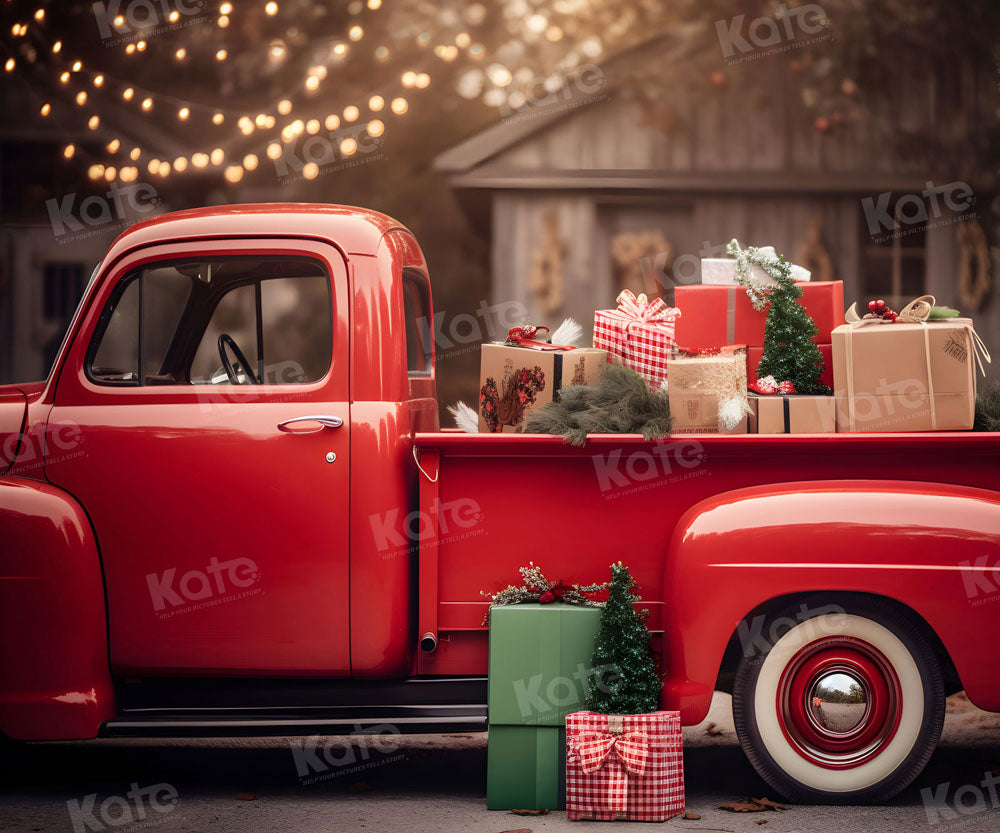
<point x="640" y="332"/>
<point x="624" y="755"/>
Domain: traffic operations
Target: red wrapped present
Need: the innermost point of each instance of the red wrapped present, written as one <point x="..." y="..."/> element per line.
<point x="755" y="354"/>
<point x="640" y="332"/>
<point x="624" y="767"/>
<point x="716" y="315"/>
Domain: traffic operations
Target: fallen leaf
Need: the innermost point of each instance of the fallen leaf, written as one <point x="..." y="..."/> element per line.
<point x="359" y="787"/>
<point x="690" y="816"/>
<point x="530" y="812"/>
<point x="760" y="821"/>
<point x="741" y="807"/>
<point x="712" y="730"/>
<point x="246" y="797"/>
<point x="767" y="804"/>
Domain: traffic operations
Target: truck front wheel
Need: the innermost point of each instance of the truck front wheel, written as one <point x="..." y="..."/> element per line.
<point x="842" y="705"/>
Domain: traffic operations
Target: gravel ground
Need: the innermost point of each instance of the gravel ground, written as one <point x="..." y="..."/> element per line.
<point x="429" y="783"/>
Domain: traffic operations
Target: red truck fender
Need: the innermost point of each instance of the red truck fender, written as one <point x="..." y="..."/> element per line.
<point x="932" y="548"/>
<point x="55" y="680"/>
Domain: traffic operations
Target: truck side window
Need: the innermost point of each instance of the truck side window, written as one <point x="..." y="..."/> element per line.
<point x="163" y="324"/>
<point x="419" y="324"/>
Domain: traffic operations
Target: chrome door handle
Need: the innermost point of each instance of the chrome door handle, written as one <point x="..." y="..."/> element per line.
<point x="324" y="421"/>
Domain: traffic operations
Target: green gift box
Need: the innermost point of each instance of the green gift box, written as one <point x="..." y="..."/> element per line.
<point x="539" y="667"/>
<point x="526" y="768"/>
<point x="539" y="662"/>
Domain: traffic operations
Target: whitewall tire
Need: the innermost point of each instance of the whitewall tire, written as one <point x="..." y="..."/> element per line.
<point x="844" y="706"/>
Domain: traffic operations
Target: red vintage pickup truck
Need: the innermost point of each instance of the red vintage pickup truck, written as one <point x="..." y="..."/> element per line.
<point x="230" y="510"/>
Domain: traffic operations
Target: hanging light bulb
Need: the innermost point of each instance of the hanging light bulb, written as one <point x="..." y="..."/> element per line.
<point x="399" y="106"/>
<point x="226" y="8"/>
<point x="355" y="33"/>
<point x="184" y="113"/>
<point x="312" y="83"/>
<point x="332" y="122"/>
<point x="274" y="150"/>
<point x="199" y="160"/>
<point x="119" y="20"/>
<point x="312" y="127"/>
<point x="98" y="80"/>
<point x="284" y="107"/>
<point x="56" y="47"/>
<point x="375" y="128"/>
<point x="271" y="8"/>
<point x="181" y="54"/>
<point x="94" y="122"/>
<point x="276" y="50"/>
<point x="147" y="104"/>
<point x="64" y="78"/>
<point x="374" y="4"/>
<point x="134" y="154"/>
<point x="174" y="16"/>
<point x="250" y="162"/>
<point x="128" y="93"/>
<point x="130" y="49"/>
<point x="69" y="151"/>
<point x="95" y="171"/>
<point x="218" y="118"/>
<point x="423" y="80"/>
<point x="40" y="15"/>
<point x="164" y="169"/>
<point x="113" y="145"/>
<point x="110" y="173"/>
<point x="9" y="66"/>
<point x="348" y="146"/>
<point x="351" y="113"/>
<point x="221" y="55"/>
<point x="409" y="78"/>
<point x="223" y="21"/>
<point x="339" y="49"/>
<point x="128" y="174"/>
<point x="81" y="97"/>
<point x="77" y="66"/>
<point x="376" y="103"/>
<point x="234" y="173"/>
<point x="180" y="164"/>
<point x="310" y="170"/>
<point x="154" y="166"/>
<point x="141" y="46"/>
<point x="260" y="120"/>
<point x="218" y="156"/>
<point x="46" y="109"/>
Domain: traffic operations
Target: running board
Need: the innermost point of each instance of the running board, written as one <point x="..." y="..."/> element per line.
<point x="334" y="721"/>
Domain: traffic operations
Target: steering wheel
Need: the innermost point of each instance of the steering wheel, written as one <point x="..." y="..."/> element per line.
<point x="226" y="340"/>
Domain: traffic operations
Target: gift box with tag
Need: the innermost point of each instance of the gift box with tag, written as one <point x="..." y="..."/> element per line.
<point x="624" y="767"/>
<point x="708" y="391"/>
<point x="909" y="373"/>
<point x="524" y="373"/>
<point x="538" y="672"/>
<point x="640" y="332"/>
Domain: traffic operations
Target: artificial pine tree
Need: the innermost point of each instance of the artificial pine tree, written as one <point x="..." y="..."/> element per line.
<point x="790" y="354"/>
<point x="625" y="679"/>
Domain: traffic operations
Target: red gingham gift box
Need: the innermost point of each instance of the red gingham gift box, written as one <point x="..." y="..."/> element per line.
<point x="624" y="767"/>
<point x="640" y="332"/>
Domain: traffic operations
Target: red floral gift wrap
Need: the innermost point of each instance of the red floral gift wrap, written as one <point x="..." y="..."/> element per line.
<point x="640" y="332"/>
<point x="624" y="767"/>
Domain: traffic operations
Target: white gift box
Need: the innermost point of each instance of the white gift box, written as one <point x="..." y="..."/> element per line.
<point x="721" y="271"/>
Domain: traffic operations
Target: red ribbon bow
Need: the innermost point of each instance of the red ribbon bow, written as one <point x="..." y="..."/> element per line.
<point x="625" y="754"/>
<point x="768" y="386"/>
<point x="640" y="310"/>
<point x="525" y="337"/>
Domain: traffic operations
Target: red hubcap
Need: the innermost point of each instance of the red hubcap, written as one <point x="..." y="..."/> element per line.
<point x="839" y="702"/>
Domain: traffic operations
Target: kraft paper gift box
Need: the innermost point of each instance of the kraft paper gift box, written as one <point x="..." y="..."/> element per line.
<point x="513" y="381"/>
<point x="624" y="767"/>
<point x="755" y="354"/>
<point x="795" y="414"/>
<point x="640" y="332"/>
<point x="540" y="658"/>
<point x="716" y="315"/>
<point x="905" y="377"/>
<point x="698" y="384"/>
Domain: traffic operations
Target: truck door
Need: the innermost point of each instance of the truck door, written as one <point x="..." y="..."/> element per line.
<point x="210" y="385"/>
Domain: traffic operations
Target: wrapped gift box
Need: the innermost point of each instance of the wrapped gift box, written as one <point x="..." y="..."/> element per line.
<point x="715" y="315"/>
<point x="526" y="768"/>
<point x="755" y="354"/>
<point x="904" y="377"/>
<point x="640" y="333"/>
<point x="792" y="414"/>
<point x="624" y="767"/>
<point x="540" y="658"/>
<point x="721" y="271"/>
<point x="515" y="380"/>
<point x="697" y="386"/>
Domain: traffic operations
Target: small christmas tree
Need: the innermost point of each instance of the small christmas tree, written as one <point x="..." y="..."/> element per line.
<point x="625" y="679"/>
<point x="790" y="354"/>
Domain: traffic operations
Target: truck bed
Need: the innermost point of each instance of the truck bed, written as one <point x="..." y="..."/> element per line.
<point x="507" y="499"/>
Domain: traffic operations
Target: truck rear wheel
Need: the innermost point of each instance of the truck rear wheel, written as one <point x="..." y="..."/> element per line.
<point x="842" y="705"/>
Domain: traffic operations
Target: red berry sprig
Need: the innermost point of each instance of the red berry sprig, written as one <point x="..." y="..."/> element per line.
<point x="878" y="309"/>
